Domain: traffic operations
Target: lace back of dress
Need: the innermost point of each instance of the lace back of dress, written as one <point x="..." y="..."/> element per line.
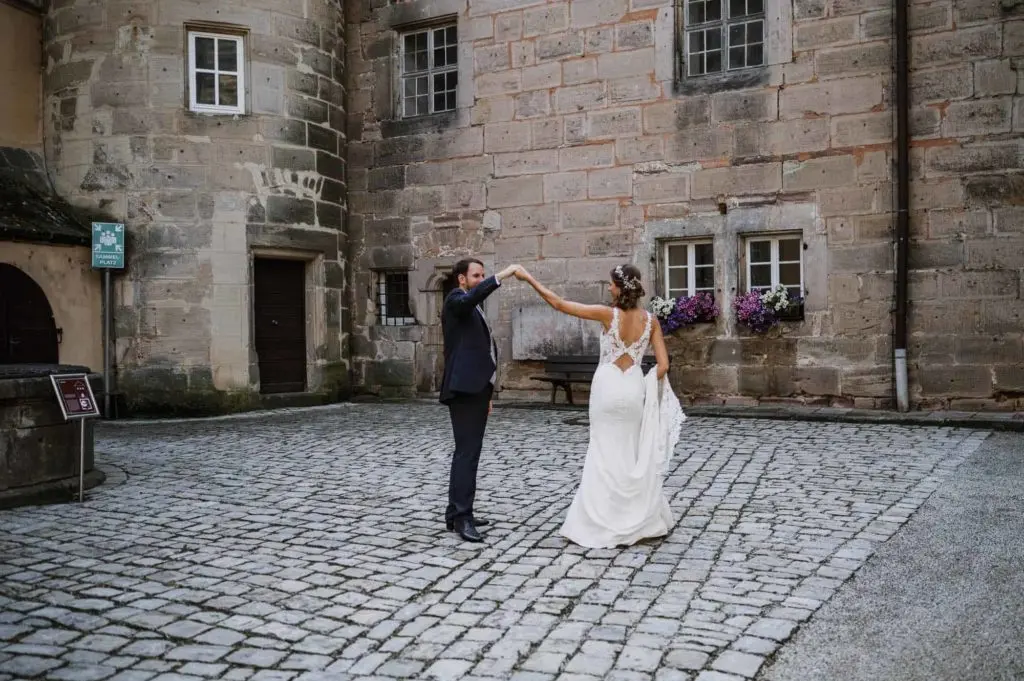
<point x="613" y="347"/>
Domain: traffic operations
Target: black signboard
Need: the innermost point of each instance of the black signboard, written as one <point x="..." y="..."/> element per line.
<point x="75" y="396"/>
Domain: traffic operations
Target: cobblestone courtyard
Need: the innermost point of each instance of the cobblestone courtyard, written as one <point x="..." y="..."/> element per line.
<point x="310" y="545"/>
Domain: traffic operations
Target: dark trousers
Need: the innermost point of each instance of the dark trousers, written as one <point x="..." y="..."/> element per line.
<point x="469" y="421"/>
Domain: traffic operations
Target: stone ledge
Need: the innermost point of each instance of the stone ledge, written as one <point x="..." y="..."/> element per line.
<point x="55" y="491"/>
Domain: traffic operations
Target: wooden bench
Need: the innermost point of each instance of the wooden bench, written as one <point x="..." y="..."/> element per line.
<point x="561" y="371"/>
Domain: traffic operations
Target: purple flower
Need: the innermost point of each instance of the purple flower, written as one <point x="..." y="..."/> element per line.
<point x="753" y="313"/>
<point x="690" y="310"/>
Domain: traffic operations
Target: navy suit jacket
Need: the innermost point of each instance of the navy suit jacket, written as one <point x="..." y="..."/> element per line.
<point x="468" y="366"/>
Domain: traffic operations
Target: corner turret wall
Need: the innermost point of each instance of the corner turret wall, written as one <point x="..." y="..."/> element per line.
<point x="205" y="196"/>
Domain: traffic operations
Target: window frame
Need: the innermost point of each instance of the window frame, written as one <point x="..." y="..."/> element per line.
<point x="724" y="23"/>
<point x="775" y="261"/>
<point x="381" y="299"/>
<point x="239" y="38"/>
<point x="430" y="71"/>
<point x="691" y="274"/>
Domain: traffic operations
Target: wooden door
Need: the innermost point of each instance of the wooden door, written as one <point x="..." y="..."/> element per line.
<point x="28" y="332"/>
<point x="280" y="324"/>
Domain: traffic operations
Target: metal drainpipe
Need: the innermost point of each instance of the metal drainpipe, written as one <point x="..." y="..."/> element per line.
<point x="902" y="39"/>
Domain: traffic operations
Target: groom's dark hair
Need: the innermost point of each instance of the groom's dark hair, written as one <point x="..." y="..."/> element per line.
<point x="461" y="267"/>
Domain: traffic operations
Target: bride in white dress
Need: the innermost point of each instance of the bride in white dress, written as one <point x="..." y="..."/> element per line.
<point x="634" y="422"/>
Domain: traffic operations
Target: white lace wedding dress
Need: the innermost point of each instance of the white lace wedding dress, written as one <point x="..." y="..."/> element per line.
<point x="634" y="424"/>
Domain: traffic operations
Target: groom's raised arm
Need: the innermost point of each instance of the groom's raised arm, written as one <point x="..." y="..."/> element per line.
<point x="462" y="303"/>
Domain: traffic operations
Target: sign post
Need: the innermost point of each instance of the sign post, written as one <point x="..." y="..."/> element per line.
<point x="74" y="394"/>
<point x="107" y="254"/>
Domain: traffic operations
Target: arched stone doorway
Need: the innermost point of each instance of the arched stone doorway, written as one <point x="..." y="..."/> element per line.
<point x="430" y="352"/>
<point x="28" y="332"/>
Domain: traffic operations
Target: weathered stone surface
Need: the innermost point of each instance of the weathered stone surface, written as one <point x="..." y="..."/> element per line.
<point x="745" y="179"/>
<point x="39" y="449"/>
<point x="850" y="95"/>
<point x="194" y="181"/>
<point x="569" y="142"/>
<point x="956" y="46"/>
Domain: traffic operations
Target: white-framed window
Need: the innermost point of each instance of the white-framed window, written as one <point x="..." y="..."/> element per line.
<point x="393" y="307"/>
<point x="430" y="70"/>
<point x="689" y="268"/>
<point x="774" y="260"/>
<point x="216" y="72"/>
<point x="723" y="35"/>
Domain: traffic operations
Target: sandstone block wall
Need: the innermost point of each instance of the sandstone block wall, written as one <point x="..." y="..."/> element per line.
<point x="967" y="189"/>
<point x="201" y="194"/>
<point x="575" y="148"/>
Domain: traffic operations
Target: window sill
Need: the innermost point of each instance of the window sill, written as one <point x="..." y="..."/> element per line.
<point x="731" y="80"/>
<point x="216" y="113"/>
<point x="419" y="125"/>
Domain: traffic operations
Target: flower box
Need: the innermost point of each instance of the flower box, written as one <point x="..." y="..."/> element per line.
<point x="685" y="311"/>
<point x="760" y="311"/>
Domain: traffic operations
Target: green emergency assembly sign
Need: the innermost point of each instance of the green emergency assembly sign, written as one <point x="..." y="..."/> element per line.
<point x="108" y="245"/>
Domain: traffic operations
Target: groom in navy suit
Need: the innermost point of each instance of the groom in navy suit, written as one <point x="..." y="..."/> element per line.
<point x="470" y="371"/>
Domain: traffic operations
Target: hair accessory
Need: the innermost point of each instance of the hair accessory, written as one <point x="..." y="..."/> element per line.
<point x="629" y="283"/>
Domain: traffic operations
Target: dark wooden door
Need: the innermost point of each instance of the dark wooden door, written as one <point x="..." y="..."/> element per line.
<point x="280" y="321"/>
<point x="28" y="333"/>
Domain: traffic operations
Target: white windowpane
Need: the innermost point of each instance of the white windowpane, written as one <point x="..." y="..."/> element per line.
<point x="216" y="79"/>
<point x="703" y="11"/>
<point x="776" y="262"/>
<point x="677" y="278"/>
<point x="227" y="55"/>
<point x="393" y="301"/>
<point x="432" y="55"/>
<point x="760" y="276"/>
<point x="228" y="90"/>
<point x="723" y="34"/>
<point x="705" y="254"/>
<point x="704" y="278"/>
<point x="789" y="250"/>
<point x="789" y="274"/>
<point x="760" y="251"/>
<point x="689" y="268"/>
<point x="677" y="256"/>
<point x="206" y="92"/>
<point x="705" y="51"/>
<point x="746" y="44"/>
<point x="205" y="50"/>
<point x="417" y="56"/>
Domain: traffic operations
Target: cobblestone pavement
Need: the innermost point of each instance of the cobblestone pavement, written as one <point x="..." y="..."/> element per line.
<point x="310" y="545"/>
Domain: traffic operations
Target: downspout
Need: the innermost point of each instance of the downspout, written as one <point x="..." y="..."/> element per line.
<point x="902" y="40"/>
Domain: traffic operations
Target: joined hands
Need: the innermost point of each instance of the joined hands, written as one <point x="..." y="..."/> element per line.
<point x="514" y="270"/>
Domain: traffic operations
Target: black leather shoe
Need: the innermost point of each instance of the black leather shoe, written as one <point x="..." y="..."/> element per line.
<point x="465" y="529"/>
<point x="479" y="522"/>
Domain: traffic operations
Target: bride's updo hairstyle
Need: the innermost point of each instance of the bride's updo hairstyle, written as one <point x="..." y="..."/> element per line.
<point x="627" y="278"/>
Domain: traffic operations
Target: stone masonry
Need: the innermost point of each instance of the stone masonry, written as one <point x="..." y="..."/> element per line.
<point x="576" y="146"/>
<point x="202" y="195"/>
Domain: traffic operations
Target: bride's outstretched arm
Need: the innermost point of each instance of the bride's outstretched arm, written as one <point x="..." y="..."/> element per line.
<point x="600" y="313"/>
<point x="660" y="351"/>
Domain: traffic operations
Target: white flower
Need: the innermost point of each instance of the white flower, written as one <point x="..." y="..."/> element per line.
<point x="776" y="298"/>
<point x="662" y="307"/>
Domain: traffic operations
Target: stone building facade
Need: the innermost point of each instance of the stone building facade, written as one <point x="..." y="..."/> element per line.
<point x="717" y="145"/>
<point x="49" y="296"/>
<point x="296" y="177"/>
<point x="216" y="132"/>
